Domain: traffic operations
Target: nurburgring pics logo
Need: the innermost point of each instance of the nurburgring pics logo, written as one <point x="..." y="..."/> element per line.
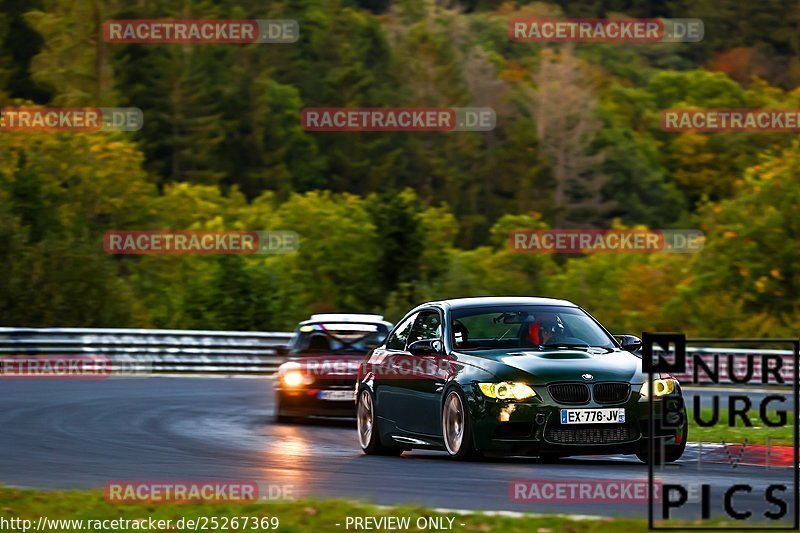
<point x="766" y="502"/>
<point x="730" y="120"/>
<point x="28" y="118"/>
<point x="575" y="241"/>
<point x="168" y="242"/>
<point x="153" y="31"/>
<point x="551" y="30"/>
<point x="398" y="119"/>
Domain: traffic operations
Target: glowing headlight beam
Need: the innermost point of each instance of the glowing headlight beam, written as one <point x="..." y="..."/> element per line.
<point x="293" y="378"/>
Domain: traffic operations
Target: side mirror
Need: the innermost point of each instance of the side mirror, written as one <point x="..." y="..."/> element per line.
<point x="425" y="347"/>
<point x="630" y="343"/>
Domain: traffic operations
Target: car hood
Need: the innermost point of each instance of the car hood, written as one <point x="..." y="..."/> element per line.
<point x="542" y="367"/>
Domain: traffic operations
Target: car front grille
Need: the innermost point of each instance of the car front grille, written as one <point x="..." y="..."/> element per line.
<point x="591" y="435"/>
<point x="611" y="392"/>
<point x="569" y="393"/>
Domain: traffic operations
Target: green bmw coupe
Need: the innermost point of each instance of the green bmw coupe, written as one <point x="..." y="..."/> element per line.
<point x="514" y="376"/>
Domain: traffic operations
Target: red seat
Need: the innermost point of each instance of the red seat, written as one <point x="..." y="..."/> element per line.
<point x="533" y="332"/>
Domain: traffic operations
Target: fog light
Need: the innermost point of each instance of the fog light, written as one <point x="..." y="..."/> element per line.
<point x="505" y="412"/>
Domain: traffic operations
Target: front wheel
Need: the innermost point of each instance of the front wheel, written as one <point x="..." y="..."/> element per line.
<point x="367" y="429"/>
<point x="457" y="427"/>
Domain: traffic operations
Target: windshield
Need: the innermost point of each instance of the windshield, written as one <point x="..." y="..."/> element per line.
<point x="342" y="337"/>
<point x="540" y="327"/>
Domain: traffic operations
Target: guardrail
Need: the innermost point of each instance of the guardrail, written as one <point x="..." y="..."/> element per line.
<point x="146" y="351"/>
<point x="154" y="350"/>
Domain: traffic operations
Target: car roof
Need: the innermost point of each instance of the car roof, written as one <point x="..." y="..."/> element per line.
<point x="488" y="301"/>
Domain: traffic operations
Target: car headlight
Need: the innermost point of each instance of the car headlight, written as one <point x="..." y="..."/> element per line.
<point x="291" y="374"/>
<point x="293" y="378"/>
<point x="661" y="387"/>
<point x="507" y="390"/>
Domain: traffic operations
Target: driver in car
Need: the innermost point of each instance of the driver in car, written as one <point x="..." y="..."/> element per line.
<point x="550" y="327"/>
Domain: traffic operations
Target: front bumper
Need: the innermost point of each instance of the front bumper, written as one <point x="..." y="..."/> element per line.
<point x="305" y="401"/>
<point x="534" y="426"/>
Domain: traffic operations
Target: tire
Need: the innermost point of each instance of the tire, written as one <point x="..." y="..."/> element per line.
<point x="672" y="452"/>
<point x="457" y="427"/>
<point x="368" y="436"/>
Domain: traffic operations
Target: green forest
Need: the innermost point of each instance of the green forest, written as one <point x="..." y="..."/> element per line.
<point x="388" y="220"/>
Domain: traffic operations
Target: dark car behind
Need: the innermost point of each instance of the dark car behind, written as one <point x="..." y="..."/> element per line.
<point x="319" y="376"/>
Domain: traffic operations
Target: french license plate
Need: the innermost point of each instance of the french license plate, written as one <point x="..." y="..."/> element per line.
<point x="593" y="416"/>
<point x="336" y="395"/>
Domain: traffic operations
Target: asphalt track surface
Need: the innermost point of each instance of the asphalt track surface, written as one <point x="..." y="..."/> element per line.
<point x="81" y="433"/>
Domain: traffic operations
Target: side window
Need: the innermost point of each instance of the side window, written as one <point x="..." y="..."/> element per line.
<point x="427" y="326"/>
<point x="397" y="340"/>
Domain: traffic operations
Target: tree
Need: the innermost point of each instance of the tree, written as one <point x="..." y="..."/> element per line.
<point x="181" y="109"/>
<point x="751" y="252"/>
<point x="265" y="144"/>
<point x="75" y="59"/>
<point x="563" y="106"/>
<point x="397" y="223"/>
<point x="705" y="165"/>
<point x="19" y="44"/>
<point x="58" y="193"/>
<point x="336" y="266"/>
<point x="638" y="183"/>
<point x="5" y="59"/>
